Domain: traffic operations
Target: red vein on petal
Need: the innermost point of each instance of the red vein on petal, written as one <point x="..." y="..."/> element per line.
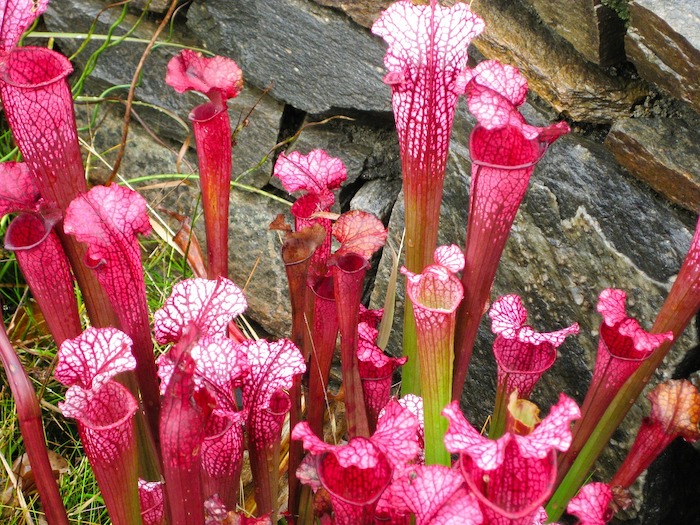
<point x="513" y="475"/>
<point x="211" y="305"/>
<point x="504" y="151"/>
<point x="94" y="357"/>
<point x="590" y="505"/>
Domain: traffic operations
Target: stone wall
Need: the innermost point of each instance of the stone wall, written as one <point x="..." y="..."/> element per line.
<point x="612" y="205"/>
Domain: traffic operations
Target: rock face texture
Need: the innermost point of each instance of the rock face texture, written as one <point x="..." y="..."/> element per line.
<point x="591" y="27"/>
<point x="555" y="71"/>
<point x="308" y="67"/>
<point x="611" y="205"/>
<point x="154" y="6"/>
<point x="560" y="71"/>
<point x="663" y="42"/>
<point x="650" y="148"/>
<point x="364" y="12"/>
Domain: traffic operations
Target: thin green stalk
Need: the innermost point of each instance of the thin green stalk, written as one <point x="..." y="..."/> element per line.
<point x="306" y="507"/>
<point x="386" y="324"/>
<point x="101" y="37"/>
<point x="436" y="385"/>
<point x="94" y="57"/>
<point x="180" y="176"/>
<point x="600" y="437"/>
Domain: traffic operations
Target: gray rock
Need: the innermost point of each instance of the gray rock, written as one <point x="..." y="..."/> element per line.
<point x="144" y="157"/>
<point x="592" y="28"/>
<point x="663" y="42"/>
<point x="260" y="113"/>
<point x="378" y="197"/>
<point x="255" y="260"/>
<point x="153" y="6"/>
<point x="311" y="57"/>
<point x="663" y="152"/>
<point x="584" y="175"/>
<point x="364" y="12"/>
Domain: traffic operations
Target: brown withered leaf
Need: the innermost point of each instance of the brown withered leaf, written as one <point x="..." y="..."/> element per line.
<point x="25" y="475"/>
<point x="279" y="223"/>
<point x="186" y="240"/>
<point x="622" y="500"/>
<point x="27" y="324"/>
<point x="299" y="246"/>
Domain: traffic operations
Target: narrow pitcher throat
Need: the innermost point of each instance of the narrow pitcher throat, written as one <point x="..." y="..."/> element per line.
<point x="29" y="230"/>
<point x="208" y="112"/>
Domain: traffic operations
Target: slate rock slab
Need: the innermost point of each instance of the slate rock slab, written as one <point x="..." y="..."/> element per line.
<point x="378" y="197"/>
<point x="555" y="71"/>
<point x="364" y="12"/>
<point x="663" y="42"/>
<point x="311" y="57"/>
<point x="663" y="152"/>
<point x="591" y="27"/>
<point x="153" y="6"/>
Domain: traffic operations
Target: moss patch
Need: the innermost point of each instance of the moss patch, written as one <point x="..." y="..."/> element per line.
<point x="621" y="7"/>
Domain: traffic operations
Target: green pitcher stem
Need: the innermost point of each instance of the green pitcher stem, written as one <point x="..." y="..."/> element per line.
<point x="422" y="216"/>
<point x="436" y="385"/>
<point x="410" y="372"/>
